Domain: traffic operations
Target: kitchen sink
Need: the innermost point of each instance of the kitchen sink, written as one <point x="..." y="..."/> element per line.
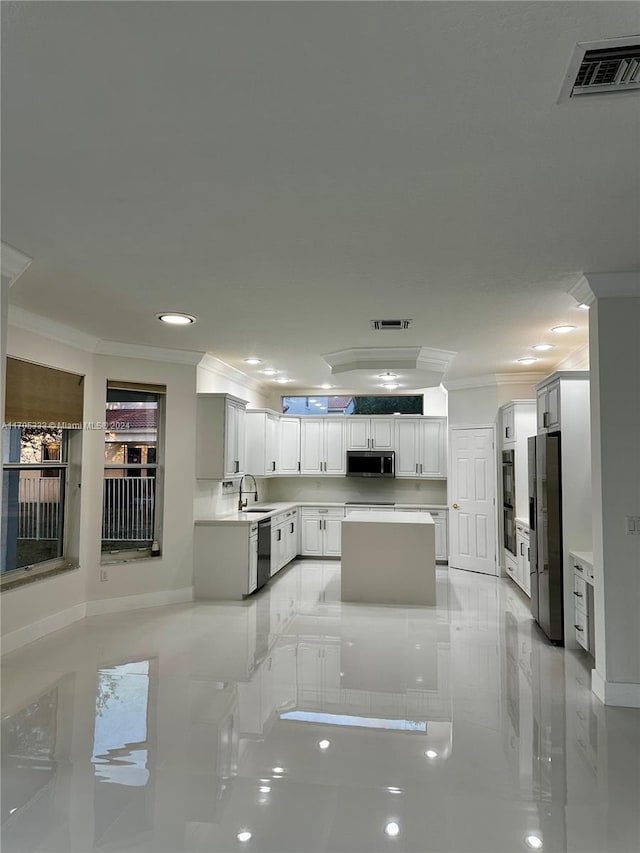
<point x="263" y="509"/>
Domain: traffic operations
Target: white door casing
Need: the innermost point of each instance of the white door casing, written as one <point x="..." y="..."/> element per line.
<point x="472" y="489"/>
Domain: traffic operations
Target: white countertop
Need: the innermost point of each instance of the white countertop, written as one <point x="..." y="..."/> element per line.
<point x="584" y="556"/>
<point x="388" y="518"/>
<point x="277" y="507"/>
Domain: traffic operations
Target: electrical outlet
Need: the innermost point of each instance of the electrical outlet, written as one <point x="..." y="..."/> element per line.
<point x="632" y="523"/>
<point x="103" y="575"/>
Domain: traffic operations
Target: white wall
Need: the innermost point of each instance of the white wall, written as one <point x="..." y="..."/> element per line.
<point x="172" y="572"/>
<point x="216" y="377"/>
<point x="615" y="416"/>
<point x="480" y="405"/>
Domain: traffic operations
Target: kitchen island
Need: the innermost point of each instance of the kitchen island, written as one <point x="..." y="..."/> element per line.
<point x="389" y="558"/>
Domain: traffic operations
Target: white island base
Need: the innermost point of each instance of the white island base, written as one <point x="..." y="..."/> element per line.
<point x="389" y="558"/>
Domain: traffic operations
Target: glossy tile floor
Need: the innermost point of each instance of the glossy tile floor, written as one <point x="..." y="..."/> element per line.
<point x="297" y="723"/>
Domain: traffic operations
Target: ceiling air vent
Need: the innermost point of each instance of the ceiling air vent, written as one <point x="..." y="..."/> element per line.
<point x="603" y="67"/>
<point x="389" y="325"/>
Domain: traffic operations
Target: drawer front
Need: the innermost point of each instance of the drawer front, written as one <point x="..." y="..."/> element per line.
<point x="580" y="592"/>
<point x="581" y="625"/>
<point x="322" y="512"/>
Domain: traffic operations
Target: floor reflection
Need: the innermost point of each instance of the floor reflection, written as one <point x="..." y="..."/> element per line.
<point x="315" y="726"/>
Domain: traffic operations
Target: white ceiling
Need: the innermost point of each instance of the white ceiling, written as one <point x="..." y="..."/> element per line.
<point x="289" y="171"/>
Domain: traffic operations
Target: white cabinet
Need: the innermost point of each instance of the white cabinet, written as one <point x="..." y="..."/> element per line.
<point x="225" y="561"/>
<point x="220" y="436"/>
<point x="421" y="447"/>
<point x="323" y="446"/>
<point x="370" y="433"/>
<point x="583" y="612"/>
<point x="284" y="539"/>
<point x="549" y="407"/>
<point x="321" y="531"/>
<point x="263" y="443"/>
<point x="253" y="559"/>
<point x="518" y="566"/>
<point x="289" y="453"/>
<point x="517" y="423"/>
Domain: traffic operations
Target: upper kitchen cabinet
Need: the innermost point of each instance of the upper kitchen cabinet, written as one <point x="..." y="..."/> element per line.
<point x="220" y="436"/>
<point x="421" y="447"/>
<point x="323" y="446"/>
<point x="517" y="423"/>
<point x="263" y="443"/>
<point x="370" y="433"/>
<point x="289" y="436"/>
<point x="549" y="407"/>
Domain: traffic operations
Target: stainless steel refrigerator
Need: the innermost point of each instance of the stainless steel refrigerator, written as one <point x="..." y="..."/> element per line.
<point x="545" y="521"/>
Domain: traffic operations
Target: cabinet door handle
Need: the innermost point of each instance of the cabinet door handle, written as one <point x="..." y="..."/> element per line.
<point x="279" y="535"/>
<point x="320" y="524"/>
<point x="528" y="555"/>
<point x="237" y="471"/>
<point x="416" y="467"/>
<point x="421" y="468"/>
<point x="578" y="628"/>
<point x="273" y="464"/>
<point x="578" y="594"/>
<point x="545" y="419"/>
<point x="522" y="549"/>
<point x="578" y="567"/>
<point x="292" y="527"/>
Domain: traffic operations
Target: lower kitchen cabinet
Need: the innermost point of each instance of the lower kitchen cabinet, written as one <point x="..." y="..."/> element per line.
<point x="284" y="539"/>
<point x="518" y="565"/>
<point x="583" y="613"/>
<point x="321" y="531"/>
<point x="225" y="563"/>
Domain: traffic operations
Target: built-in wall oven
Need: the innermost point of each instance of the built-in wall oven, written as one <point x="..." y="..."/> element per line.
<point x="509" y="500"/>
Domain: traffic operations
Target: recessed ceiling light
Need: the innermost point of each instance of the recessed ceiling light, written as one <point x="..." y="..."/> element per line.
<point x="324" y="744"/>
<point x="174" y="318"/>
<point x="542" y="347"/>
<point x="392" y="829"/>
<point x="393" y="789"/>
<point x="252" y="360"/>
<point x="245" y="835"/>
<point x="278" y="769"/>
<point x="431" y="753"/>
<point x="534" y="841"/>
<point x="563" y="329"/>
<point x="584" y="306"/>
<point x="325" y="386"/>
<point x="269" y="371"/>
<point x="283" y="381"/>
<point x="264" y="789"/>
<point x="387" y="376"/>
<point x="527" y="360"/>
<point x="390" y="386"/>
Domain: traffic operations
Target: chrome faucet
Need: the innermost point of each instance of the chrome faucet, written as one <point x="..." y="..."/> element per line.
<point x="242" y="504"/>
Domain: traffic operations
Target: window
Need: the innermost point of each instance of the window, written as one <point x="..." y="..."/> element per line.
<point x="33" y="495"/>
<point x="354" y="405"/>
<point x="131" y="509"/>
<point x="41" y="436"/>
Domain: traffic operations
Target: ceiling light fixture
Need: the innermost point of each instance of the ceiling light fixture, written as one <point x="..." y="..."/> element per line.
<point x="175" y="318"/>
<point x="584" y="306"/>
<point x="542" y="347"/>
<point x="387" y="376"/>
<point x="283" y="381"/>
<point x="530" y="359"/>
<point x="325" y="386"/>
<point x="245" y="835"/>
<point x="324" y="744"/>
<point x="392" y="829"/>
<point x="534" y="841"/>
<point x="264" y="789"/>
<point x="278" y="769"/>
<point x="390" y="386"/>
<point x="269" y="371"/>
<point x="563" y="329"/>
<point x="252" y="360"/>
<point x="431" y="753"/>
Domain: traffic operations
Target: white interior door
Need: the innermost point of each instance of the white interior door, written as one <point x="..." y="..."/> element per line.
<point x="472" y="508"/>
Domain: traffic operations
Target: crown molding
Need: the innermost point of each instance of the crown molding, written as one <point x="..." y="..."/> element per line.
<point x="491" y="379"/>
<point x="606" y="285"/>
<point x="13" y="263"/>
<point x="124" y="350"/>
<point x="47" y="328"/>
<point x="212" y="364"/>
<point x="388" y="358"/>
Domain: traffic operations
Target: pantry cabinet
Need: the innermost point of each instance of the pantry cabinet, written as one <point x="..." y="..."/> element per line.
<point x="220" y="436"/>
<point x="421" y="447"/>
<point x="323" y="446"/>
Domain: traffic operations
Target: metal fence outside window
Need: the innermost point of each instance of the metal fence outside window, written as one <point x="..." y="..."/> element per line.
<point x="128" y="508"/>
<point x="39" y="508"/>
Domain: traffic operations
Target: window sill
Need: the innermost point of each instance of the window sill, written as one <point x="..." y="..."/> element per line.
<point x="23" y="577"/>
<point x="138" y="558"/>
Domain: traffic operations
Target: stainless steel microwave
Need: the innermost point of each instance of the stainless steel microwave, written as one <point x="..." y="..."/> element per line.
<point x="371" y="463"/>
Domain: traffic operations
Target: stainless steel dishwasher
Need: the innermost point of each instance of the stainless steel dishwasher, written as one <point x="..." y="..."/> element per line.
<point x="264" y="551"/>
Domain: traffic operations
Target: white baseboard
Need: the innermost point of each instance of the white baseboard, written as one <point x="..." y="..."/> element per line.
<point x="138" y="602"/>
<point x="619" y="693"/>
<point x="29" y="633"/>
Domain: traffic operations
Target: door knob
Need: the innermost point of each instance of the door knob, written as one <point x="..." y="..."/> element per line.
<point x="455" y="506"/>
